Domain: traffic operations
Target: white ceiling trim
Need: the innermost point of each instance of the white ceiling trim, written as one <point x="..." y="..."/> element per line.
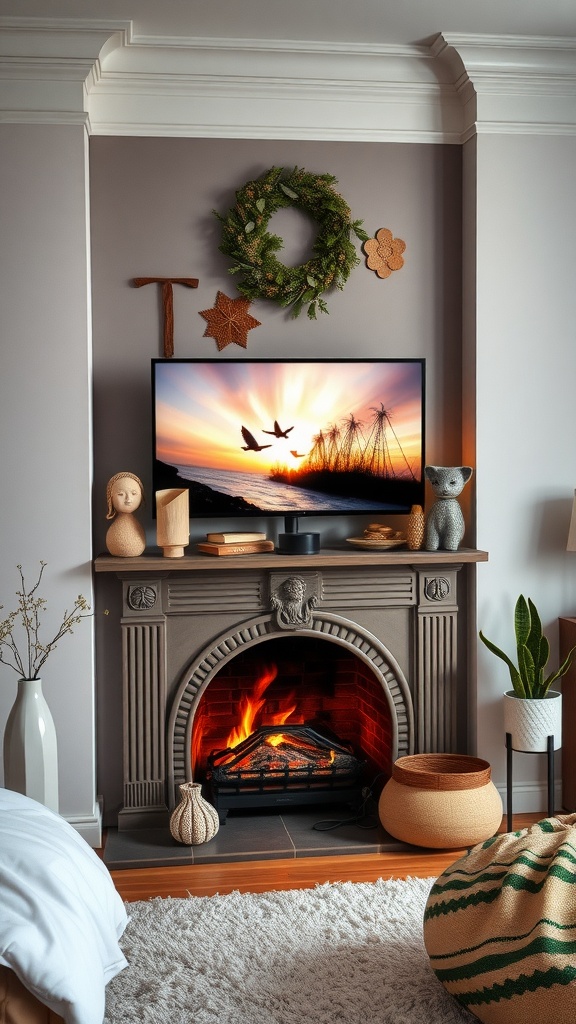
<point x="512" y="84"/>
<point x="66" y="117"/>
<point x="62" y="38"/>
<point x="216" y="130"/>
<point x="122" y="84"/>
<point x="521" y="128"/>
<point x="303" y="107"/>
<point x="250" y="88"/>
<point x="190" y="43"/>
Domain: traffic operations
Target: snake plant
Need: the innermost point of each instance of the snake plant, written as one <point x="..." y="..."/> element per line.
<point x="533" y="652"/>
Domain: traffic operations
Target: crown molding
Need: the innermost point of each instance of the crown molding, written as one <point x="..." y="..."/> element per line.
<point x="208" y="43"/>
<point x="515" y="84"/>
<point x="128" y="84"/>
<point x="101" y="74"/>
<point x="46" y="65"/>
<point x="254" y="107"/>
<point x="270" y="88"/>
<point x="504" y="54"/>
<point x="72" y="37"/>
<point x="65" y="117"/>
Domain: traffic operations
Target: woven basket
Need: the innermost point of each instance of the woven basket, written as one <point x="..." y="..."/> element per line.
<point x="441" y="801"/>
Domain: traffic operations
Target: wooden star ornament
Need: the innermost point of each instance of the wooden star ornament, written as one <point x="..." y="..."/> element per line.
<point x="229" y="321"/>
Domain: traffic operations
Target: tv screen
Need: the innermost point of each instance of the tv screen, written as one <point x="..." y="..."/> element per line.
<point x="290" y="437"/>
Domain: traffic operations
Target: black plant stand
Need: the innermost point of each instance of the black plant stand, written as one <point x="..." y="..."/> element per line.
<point x="550" y="756"/>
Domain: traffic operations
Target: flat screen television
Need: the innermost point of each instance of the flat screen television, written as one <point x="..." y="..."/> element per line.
<point x="290" y="437"/>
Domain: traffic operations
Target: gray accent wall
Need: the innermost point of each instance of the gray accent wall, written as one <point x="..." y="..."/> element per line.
<point x="151" y="215"/>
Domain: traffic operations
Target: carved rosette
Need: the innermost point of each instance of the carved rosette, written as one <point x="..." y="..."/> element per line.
<point x="437" y="588"/>
<point x="141" y="598"/>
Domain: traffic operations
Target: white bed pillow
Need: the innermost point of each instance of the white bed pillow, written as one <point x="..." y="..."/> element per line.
<point x="60" y="915"/>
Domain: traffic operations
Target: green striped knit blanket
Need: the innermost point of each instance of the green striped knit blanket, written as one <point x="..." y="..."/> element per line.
<point x="500" y="926"/>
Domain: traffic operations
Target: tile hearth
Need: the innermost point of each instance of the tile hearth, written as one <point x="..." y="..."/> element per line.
<point x="254" y="835"/>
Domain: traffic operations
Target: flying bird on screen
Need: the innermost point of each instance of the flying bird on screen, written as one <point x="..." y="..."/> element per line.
<point x="297" y="455"/>
<point x="251" y="442"/>
<point x="278" y="432"/>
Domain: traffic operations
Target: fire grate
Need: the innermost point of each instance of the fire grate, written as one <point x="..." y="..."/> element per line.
<point x="302" y="767"/>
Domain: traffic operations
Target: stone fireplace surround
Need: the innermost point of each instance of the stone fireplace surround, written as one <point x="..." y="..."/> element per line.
<point x="402" y="613"/>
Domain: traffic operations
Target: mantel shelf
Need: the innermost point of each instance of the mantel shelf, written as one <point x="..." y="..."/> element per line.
<point x="154" y="561"/>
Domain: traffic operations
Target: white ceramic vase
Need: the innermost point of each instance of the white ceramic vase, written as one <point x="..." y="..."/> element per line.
<point x="530" y="722"/>
<point x="30" y="747"/>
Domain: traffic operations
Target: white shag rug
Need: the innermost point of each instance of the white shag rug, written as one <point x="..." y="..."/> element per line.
<point x="342" y="953"/>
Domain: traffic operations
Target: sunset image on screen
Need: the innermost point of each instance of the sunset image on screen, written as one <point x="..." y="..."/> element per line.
<point x="243" y="426"/>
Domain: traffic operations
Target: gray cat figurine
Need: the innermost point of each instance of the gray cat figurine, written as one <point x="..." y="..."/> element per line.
<point x="445" y="522"/>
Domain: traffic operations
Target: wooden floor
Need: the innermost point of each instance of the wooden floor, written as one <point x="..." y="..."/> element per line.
<point x="300" y="873"/>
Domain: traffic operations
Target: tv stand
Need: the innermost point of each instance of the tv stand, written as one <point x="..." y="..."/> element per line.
<point x="291" y="542"/>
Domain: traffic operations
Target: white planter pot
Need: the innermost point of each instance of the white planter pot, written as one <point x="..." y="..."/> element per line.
<point x="531" y="722"/>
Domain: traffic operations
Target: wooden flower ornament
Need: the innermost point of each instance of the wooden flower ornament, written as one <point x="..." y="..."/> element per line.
<point x="384" y="253"/>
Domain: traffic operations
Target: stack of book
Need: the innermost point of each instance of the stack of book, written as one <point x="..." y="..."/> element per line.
<point x="235" y="543"/>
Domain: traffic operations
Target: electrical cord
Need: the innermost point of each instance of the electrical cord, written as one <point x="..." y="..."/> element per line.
<point x="371" y="819"/>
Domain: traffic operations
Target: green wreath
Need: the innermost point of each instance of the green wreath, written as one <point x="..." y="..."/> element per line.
<point x="248" y="243"/>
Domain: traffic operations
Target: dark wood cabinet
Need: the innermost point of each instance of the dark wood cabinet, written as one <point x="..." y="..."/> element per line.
<point x="567" y="632"/>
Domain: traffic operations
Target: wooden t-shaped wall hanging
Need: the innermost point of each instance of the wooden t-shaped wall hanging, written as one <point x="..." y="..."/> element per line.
<point x="167" y="303"/>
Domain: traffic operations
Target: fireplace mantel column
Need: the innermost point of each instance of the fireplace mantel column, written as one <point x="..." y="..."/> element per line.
<point x="144" y="705"/>
<point x="436" y="683"/>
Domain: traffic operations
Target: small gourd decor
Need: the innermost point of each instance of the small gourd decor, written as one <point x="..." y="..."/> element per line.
<point x="194" y="820"/>
<point x="415" y="528"/>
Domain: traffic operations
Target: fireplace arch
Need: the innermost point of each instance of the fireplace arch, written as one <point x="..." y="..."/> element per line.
<point x="333" y="628"/>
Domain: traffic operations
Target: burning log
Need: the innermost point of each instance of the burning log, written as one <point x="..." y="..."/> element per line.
<point x="297" y="755"/>
<point x="290" y="756"/>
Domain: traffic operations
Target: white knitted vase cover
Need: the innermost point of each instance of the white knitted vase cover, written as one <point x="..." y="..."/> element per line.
<point x="194" y="820"/>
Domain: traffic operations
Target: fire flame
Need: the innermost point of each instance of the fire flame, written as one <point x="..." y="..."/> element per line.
<point x="251" y="706"/>
<point x="279" y="737"/>
<point x="280" y="719"/>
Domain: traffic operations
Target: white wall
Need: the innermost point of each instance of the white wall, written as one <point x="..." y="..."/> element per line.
<point x="45" y="418"/>
<point x="526" y="413"/>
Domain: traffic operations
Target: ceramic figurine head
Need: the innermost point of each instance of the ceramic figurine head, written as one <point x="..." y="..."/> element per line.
<point x="448" y="481"/>
<point x="124" y="493"/>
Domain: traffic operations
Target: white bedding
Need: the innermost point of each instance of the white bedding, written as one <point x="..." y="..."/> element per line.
<point x="60" y="915"/>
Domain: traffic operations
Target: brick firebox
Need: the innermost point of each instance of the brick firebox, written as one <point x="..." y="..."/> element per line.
<point x="326" y="685"/>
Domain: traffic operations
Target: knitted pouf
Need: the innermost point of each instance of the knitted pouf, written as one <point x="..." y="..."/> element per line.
<point x="500" y="926"/>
